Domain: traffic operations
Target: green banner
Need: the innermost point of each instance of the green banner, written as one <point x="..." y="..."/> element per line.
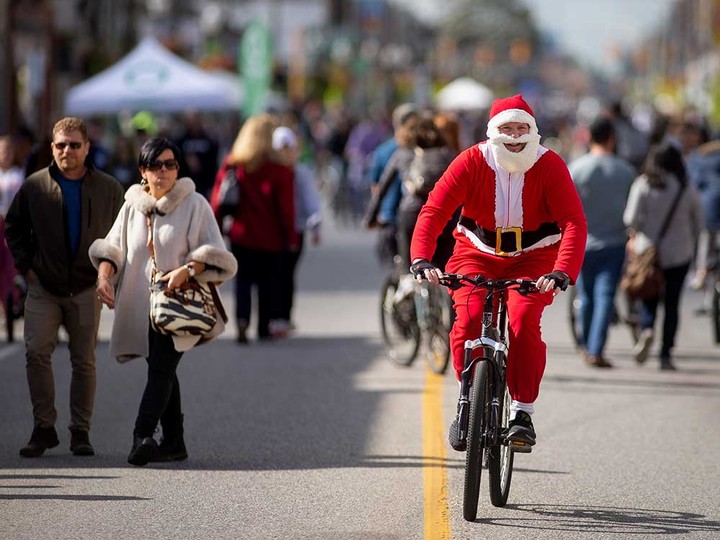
<point x="255" y="66"/>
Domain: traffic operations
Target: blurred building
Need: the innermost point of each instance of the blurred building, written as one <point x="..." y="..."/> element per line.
<point x="363" y="51"/>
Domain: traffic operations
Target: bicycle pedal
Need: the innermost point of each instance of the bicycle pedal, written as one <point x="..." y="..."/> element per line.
<point x="519" y="447"/>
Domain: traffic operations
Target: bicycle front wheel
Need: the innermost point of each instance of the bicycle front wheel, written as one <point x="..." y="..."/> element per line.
<point x="438" y="339"/>
<point x="398" y="323"/>
<point x="500" y="458"/>
<point x="479" y="414"/>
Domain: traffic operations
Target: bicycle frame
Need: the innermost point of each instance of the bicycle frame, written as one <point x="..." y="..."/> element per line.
<point x="491" y="342"/>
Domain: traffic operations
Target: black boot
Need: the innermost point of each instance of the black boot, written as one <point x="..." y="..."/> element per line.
<point x="172" y="445"/>
<point x="80" y="443"/>
<point x="40" y="440"/>
<point x="144" y="450"/>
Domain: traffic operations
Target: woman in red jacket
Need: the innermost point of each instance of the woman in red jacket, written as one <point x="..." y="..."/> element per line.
<point x="263" y="222"/>
<point x="513" y="189"/>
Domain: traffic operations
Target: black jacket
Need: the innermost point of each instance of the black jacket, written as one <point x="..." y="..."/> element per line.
<point x="36" y="228"/>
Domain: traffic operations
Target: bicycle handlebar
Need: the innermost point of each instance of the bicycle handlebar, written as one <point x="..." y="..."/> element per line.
<point x="455" y="281"/>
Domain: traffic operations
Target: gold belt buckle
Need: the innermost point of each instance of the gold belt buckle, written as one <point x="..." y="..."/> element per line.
<point x="498" y="240"/>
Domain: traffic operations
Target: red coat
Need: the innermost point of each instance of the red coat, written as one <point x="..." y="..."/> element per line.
<point x="265" y="217"/>
<point x="544" y="195"/>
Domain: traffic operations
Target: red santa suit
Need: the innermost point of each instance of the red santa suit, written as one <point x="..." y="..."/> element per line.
<point x="527" y="201"/>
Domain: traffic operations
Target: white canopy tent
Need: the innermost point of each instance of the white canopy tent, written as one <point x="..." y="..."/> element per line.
<point x="152" y="78"/>
<point x="464" y="94"/>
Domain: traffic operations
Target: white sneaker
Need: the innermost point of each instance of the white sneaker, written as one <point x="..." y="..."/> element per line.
<point x="643" y="345"/>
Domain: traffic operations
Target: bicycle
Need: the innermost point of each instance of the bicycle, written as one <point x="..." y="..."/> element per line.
<point x="415" y="316"/>
<point x="484" y="415"/>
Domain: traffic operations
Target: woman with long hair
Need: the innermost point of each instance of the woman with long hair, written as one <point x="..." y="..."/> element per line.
<point x="661" y="189"/>
<point x="263" y="222"/>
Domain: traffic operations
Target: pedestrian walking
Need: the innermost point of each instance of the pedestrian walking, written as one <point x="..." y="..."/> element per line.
<point x="262" y="223"/>
<point x="663" y="194"/>
<point x="307" y="219"/>
<point x="55" y="216"/>
<point x="603" y="181"/>
<point x="166" y="216"/>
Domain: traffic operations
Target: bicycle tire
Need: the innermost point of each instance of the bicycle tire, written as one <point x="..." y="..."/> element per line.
<point x="398" y="325"/>
<point x="438" y="340"/>
<point x="574" y="317"/>
<point x="715" y="312"/>
<point x="479" y="408"/>
<point x="501" y="459"/>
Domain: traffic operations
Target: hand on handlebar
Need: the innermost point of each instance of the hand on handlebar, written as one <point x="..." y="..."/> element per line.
<point x="554" y="280"/>
<point x="423" y="269"/>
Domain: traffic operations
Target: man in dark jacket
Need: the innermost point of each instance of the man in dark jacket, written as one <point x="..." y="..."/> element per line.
<point x="58" y="212"/>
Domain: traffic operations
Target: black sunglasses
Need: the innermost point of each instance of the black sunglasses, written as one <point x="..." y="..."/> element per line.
<point x="157" y="164"/>
<point x="62" y="145"/>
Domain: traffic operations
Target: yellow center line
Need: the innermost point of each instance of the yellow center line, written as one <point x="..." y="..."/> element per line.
<point x="437" y="513"/>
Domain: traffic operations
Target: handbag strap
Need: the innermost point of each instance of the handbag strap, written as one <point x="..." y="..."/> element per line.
<point x="150" y="244"/>
<point x="666" y="223"/>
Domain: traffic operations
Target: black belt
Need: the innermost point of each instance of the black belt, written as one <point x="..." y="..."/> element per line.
<point x="511" y="239"/>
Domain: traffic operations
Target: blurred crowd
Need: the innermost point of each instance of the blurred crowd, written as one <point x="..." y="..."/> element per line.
<point x="342" y="159"/>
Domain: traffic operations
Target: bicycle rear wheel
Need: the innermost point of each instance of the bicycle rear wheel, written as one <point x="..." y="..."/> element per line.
<point x="398" y="323"/>
<point x="479" y="412"/>
<point x="441" y="321"/>
<point x="501" y="458"/>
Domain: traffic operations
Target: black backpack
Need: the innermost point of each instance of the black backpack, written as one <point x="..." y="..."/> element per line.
<point x="426" y="168"/>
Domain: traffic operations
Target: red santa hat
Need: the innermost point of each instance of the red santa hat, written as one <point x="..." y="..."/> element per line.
<point x="510" y="109"/>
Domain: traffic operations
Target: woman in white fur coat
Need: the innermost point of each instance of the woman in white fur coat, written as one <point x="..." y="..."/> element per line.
<point x="187" y="242"/>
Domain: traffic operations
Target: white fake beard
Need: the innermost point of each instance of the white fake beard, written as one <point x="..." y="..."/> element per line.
<point x="515" y="162"/>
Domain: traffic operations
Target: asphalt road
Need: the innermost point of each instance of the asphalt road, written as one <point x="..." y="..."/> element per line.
<point x="319" y="437"/>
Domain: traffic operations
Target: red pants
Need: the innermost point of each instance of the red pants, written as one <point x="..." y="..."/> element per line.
<point x="526" y="359"/>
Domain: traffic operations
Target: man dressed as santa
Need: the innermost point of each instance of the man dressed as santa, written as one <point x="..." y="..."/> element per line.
<point x="518" y="194"/>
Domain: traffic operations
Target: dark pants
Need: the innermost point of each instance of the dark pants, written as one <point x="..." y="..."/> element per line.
<point x="288" y="266"/>
<point x="161" y="400"/>
<point x="259" y="268"/>
<point x="444" y="245"/>
<point x="674" y="281"/>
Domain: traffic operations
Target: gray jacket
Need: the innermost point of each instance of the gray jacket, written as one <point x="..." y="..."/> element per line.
<point x="645" y="213"/>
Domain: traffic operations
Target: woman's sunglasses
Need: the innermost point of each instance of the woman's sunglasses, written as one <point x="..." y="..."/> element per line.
<point x="157" y="164"/>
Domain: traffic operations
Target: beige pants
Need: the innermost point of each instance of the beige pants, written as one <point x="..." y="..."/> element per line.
<point x="44" y="314"/>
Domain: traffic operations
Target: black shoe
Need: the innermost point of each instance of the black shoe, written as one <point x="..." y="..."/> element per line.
<point x="454" y="437"/>
<point x="521" y="433"/>
<point x="666" y="364"/>
<point x="144" y="450"/>
<point x="80" y="443"/>
<point x="172" y="445"/>
<point x="172" y="450"/>
<point x="40" y="440"/>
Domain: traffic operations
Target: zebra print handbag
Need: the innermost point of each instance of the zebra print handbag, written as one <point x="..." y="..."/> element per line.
<point x="191" y="309"/>
<point x="188" y="310"/>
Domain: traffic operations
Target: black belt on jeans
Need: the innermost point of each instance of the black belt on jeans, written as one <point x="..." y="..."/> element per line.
<point x="511" y="239"/>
